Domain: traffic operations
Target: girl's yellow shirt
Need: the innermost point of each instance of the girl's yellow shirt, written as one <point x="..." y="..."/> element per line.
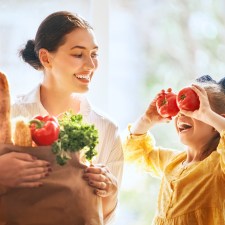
<point x="189" y="195"/>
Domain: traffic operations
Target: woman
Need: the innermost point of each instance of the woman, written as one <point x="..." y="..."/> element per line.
<point x="66" y="51"/>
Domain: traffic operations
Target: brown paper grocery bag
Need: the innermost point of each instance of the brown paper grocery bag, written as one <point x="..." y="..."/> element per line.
<point x="64" y="199"/>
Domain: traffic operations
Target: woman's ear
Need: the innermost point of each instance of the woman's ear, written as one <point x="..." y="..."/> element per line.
<point x="44" y="57"/>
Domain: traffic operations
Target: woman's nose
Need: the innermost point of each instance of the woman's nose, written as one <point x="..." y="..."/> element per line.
<point x="89" y="63"/>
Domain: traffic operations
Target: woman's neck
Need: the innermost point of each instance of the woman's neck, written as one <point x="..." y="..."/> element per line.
<point x="57" y="101"/>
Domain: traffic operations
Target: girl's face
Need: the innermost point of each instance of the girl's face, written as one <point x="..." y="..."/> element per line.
<point x="74" y="63"/>
<point x="193" y="132"/>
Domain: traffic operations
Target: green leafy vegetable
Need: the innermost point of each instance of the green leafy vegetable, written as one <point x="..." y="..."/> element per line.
<point x="74" y="136"/>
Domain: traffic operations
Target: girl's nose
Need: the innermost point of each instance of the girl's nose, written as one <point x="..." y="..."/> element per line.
<point x="180" y="114"/>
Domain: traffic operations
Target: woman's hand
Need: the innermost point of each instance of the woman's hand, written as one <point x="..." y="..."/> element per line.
<point x="22" y="170"/>
<point x="101" y="179"/>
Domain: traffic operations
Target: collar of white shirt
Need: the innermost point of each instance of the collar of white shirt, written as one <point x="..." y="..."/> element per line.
<point x="34" y="97"/>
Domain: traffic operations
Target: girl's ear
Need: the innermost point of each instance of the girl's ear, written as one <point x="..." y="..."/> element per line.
<point x="44" y="57"/>
<point x="223" y="115"/>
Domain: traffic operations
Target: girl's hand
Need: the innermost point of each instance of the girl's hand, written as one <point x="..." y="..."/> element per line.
<point x="101" y="179"/>
<point x="149" y="118"/>
<point x="152" y="114"/>
<point x="22" y="170"/>
<point x="204" y="108"/>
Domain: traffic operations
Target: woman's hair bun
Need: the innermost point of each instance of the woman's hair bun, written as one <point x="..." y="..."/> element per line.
<point x="29" y="55"/>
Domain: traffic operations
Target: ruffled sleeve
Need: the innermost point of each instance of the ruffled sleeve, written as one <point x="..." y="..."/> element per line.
<point x="141" y="150"/>
<point x="221" y="150"/>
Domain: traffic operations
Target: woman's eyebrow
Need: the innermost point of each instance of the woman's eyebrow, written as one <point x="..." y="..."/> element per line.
<point x="82" y="47"/>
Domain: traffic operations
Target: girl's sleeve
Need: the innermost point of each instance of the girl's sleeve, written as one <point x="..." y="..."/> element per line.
<point x="221" y="150"/>
<point x="141" y="150"/>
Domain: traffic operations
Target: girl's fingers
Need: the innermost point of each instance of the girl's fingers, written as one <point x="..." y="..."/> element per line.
<point x="199" y="90"/>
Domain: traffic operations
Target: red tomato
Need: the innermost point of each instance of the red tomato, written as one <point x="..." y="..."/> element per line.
<point x="187" y="99"/>
<point x="166" y="104"/>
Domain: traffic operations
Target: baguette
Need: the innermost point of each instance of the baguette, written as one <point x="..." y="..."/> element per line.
<point x="22" y="134"/>
<point x="5" y="125"/>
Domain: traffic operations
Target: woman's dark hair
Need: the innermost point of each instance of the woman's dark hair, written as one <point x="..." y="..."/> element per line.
<point x="50" y="35"/>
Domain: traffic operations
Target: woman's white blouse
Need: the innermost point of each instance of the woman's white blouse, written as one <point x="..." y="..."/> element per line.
<point x="109" y="149"/>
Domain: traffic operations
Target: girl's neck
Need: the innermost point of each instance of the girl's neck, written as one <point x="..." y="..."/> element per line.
<point x="57" y="101"/>
<point x="195" y="154"/>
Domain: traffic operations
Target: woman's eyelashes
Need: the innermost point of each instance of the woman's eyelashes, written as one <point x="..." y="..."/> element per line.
<point x="77" y="55"/>
<point x="93" y="55"/>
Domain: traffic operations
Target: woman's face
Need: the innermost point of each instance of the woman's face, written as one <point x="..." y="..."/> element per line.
<point x="193" y="132"/>
<point x="74" y="63"/>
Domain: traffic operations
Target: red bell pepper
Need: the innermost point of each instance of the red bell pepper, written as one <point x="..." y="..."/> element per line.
<point x="44" y="130"/>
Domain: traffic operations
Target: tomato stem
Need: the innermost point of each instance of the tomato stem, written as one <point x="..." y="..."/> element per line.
<point x="182" y="97"/>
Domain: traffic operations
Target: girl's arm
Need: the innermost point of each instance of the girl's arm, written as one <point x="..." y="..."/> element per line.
<point x="149" y="119"/>
<point x="139" y="145"/>
<point x="221" y="150"/>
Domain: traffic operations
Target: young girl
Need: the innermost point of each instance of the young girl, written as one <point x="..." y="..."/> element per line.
<point x="192" y="182"/>
<point x="66" y="51"/>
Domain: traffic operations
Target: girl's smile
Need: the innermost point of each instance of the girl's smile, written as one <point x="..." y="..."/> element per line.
<point x="183" y="127"/>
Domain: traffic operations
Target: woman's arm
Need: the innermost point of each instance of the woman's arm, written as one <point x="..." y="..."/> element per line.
<point x="106" y="179"/>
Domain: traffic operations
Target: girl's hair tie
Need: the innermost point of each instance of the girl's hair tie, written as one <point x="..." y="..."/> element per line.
<point x="205" y="79"/>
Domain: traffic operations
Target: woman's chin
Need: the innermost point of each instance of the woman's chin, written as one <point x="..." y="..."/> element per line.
<point x="81" y="90"/>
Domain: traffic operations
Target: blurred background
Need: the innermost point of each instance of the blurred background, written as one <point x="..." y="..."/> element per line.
<point x="145" y="46"/>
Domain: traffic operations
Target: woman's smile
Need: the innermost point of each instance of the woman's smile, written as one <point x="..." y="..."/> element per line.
<point x="83" y="78"/>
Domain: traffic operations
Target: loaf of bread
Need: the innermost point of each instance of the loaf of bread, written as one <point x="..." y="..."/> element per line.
<point x="5" y="125"/>
<point x="22" y="134"/>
